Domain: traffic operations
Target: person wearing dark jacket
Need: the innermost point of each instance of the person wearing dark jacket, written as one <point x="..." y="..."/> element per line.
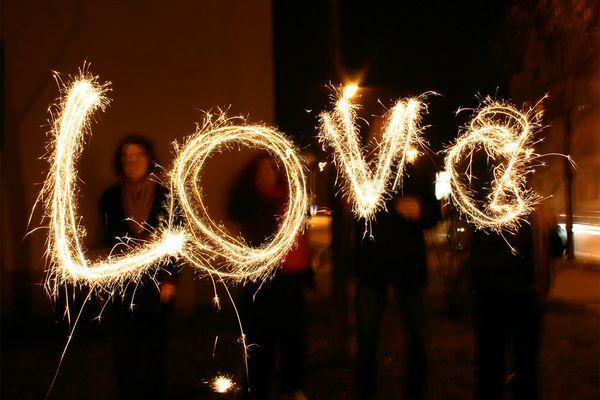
<point x="508" y="288"/>
<point x="133" y="208"/>
<point x="393" y="253"/>
<point x="508" y="312"/>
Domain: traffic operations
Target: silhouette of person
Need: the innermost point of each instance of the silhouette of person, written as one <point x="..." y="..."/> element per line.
<point x="395" y="255"/>
<point x="274" y="311"/>
<point x="133" y="207"/>
<point x="508" y="288"/>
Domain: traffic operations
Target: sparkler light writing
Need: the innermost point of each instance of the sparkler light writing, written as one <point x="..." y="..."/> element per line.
<point x="368" y="183"/>
<point x="501" y="130"/>
<point x="209" y="245"/>
<point x="201" y="241"/>
<point x="83" y="97"/>
<point x="506" y="136"/>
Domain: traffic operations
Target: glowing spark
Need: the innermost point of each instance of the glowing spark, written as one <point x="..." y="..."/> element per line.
<point x="210" y="246"/>
<point x="368" y="183"/>
<point x="322" y="166"/>
<point x="411" y="155"/>
<point x="201" y="241"/>
<point x="222" y="384"/>
<point x="506" y="135"/>
<point x="65" y="248"/>
<point x="350" y="91"/>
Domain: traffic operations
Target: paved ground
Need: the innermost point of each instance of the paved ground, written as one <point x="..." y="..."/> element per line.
<point x="569" y="362"/>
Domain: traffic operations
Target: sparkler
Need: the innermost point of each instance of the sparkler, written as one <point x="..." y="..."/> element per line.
<point x="222" y="384"/>
<point x="506" y="136"/>
<point x="200" y="241"/>
<point x="369" y="183"/>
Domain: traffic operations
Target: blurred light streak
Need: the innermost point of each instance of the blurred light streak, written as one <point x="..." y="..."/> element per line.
<point x="368" y="184"/>
<point x="210" y="246"/>
<point x="506" y="136"/>
<point x="201" y="241"/>
<point x="584" y="228"/>
<point x="66" y="252"/>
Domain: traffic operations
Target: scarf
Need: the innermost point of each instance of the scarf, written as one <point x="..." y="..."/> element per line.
<point x="137" y="202"/>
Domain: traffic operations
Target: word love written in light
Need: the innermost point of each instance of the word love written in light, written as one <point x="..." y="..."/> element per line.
<point x="500" y="129"/>
<point x="200" y="240"/>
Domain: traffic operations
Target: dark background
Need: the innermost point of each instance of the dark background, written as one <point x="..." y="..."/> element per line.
<point x="277" y="62"/>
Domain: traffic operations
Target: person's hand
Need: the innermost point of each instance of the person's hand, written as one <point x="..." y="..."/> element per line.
<point x="409" y="208"/>
<point x="167" y="292"/>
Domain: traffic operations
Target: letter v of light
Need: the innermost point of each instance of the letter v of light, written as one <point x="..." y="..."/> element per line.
<point x="367" y="183"/>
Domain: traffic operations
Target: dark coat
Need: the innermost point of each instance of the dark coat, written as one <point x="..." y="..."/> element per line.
<point x="115" y="226"/>
<point x="397" y="250"/>
<point x="494" y="268"/>
<point x="113" y="217"/>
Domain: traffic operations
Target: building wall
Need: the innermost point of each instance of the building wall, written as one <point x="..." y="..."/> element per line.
<point x="166" y="61"/>
<point x="541" y="75"/>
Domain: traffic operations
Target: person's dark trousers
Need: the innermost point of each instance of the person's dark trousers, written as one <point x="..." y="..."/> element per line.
<point x="275" y="317"/>
<point x="507" y="321"/>
<point x="370" y="304"/>
<point x="140" y="351"/>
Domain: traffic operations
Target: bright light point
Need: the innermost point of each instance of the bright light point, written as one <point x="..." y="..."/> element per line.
<point x="173" y="242"/>
<point x="442" y="185"/>
<point x="350" y="91"/>
<point x="222" y="384"/>
<point x="411" y="155"/>
<point x="322" y="166"/>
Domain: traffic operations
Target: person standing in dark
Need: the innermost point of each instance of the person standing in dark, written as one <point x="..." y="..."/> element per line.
<point x="509" y="278"/>
<point x="274" y="311"/>
<point x="132" y="208"/>
<point x="395" y="255"/>
<point x="508" y="313"/>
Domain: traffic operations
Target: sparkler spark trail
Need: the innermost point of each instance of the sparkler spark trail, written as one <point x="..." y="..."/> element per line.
<point x="65" y="249"/>
<point x="210" y="246"/>
<point x="201" y="241"/>
<point x="368" y="183"/>
<point x="506" y="136"/>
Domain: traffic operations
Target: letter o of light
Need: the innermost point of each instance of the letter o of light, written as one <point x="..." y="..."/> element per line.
<point x="209" y="242"/>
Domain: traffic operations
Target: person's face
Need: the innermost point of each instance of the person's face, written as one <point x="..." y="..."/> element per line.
<point x="136" y="162"/>
<point x="266" y="175"/>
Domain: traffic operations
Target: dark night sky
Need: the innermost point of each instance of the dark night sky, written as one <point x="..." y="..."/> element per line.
<point x="457" y="49"/>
